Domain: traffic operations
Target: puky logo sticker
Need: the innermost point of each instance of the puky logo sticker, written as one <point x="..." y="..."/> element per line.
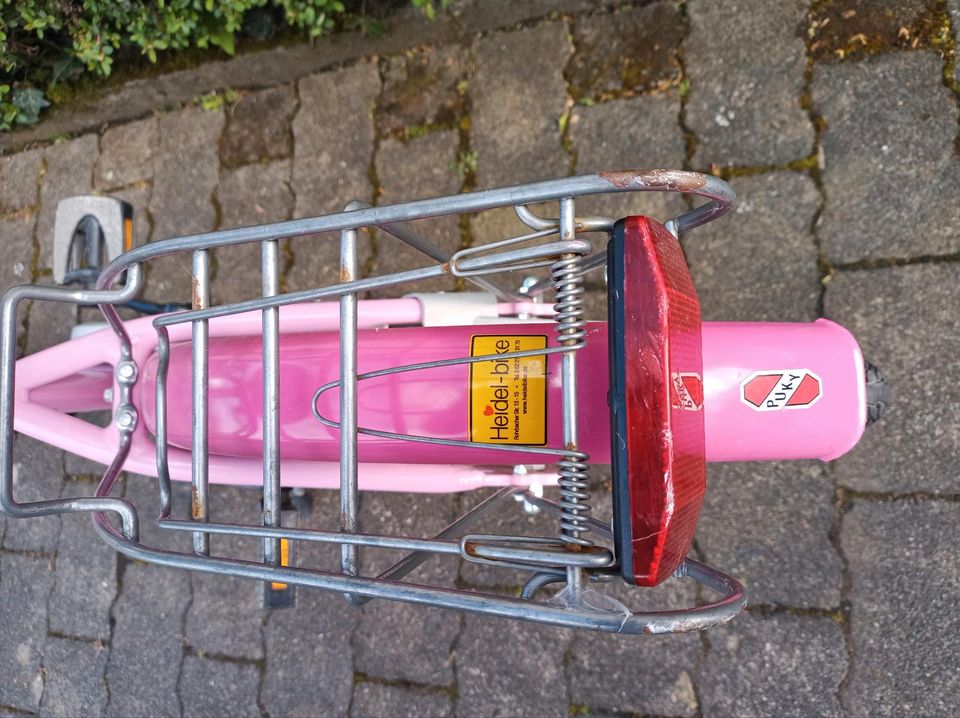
<point x="777" y="389"/>
<point x="687" y="391"/>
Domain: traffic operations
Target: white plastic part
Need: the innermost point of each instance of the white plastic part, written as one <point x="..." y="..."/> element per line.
<point x="81" y="330"/>
<point x="442" y="309"/>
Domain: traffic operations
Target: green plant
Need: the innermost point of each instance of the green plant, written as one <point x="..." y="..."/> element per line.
<point x="466" y="163"/>
<point x="46" y="43"/>
<point x="429" y="7"/>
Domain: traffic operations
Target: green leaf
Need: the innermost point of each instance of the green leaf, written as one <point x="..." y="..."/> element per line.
<point x="29" y="100"/>
<point x="223" y="38"/>
<point x="65" y="68"/>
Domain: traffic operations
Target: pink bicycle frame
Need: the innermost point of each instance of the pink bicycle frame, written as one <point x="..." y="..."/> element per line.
<point x="77" y="376"/>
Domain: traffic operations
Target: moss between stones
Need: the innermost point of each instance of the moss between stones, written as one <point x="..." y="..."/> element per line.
<point x="854" y="29"/>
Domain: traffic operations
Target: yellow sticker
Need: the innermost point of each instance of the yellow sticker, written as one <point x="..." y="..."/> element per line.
<point x="508" y="397"/>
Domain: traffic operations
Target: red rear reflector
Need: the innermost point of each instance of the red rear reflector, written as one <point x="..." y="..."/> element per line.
<point x="659" y="471"/>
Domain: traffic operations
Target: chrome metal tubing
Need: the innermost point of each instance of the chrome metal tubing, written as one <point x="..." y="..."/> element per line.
<point x="270" y="279"/>
<point x="9" y="309"/>
<point x="720" y="195"/>
<point x="407" y="235"/>
<point x="428" y="546"/>
<point x="654" y="622"/>
<point x="199" y="497"/>
<point x="160" y="435"/>
<point x="349" y="490"/>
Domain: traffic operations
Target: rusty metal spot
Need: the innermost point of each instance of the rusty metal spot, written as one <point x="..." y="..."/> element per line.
<point x="195" y="293"/>
<point x="196" y="505"/>
<point x="674" y="180"/>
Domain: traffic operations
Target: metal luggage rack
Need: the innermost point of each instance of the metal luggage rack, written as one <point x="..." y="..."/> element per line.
<point x="555" y="244"/>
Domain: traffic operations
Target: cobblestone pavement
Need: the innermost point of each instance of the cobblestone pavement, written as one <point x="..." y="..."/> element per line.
<point x="838" y="127"/>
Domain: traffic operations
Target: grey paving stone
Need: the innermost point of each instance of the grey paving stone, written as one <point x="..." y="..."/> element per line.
<point x="16" y="253"/>
<point x="906" y="322"/>
<point x="376" y="700"/>
<point x="225" y="617"/>
<point x="147" y="645"/>
<point x="953" y="7"/>
<point x="759" y="263"/>
<point x="517" y="97"/>
<point x="891" y="175"/>
<point x="69" y="171"/>
<point x="598" y="662"/>
<point x="498" y="663"/>
<point x="902" y="558"/>
<point x="81" y="469"/>
<point x="422" y="88"/>
<point x="50" y="324"/>
<point x="303" y="643"/>
<point x="744" y="104"/>
<point x="626" y="52"/>
<point x="401" y="641"/>
<point x="37" y="475"/>
<point x="218" y="688"/>
<point x="624" y="134"/>
<point x="74" y="682"/>
<point x="334" y="139"/>
<point x="20" y="180"/>
<point x="254" y="194"/>
<point x="24" y="587"/>
<point x="778" y="665"/>
<point x="126" y="154"/>
<point x="768" y="524"/>
<point x="186" y="173"/>
<point x="86" y="581"/>
<point x="333" y="146"/>
<point x="417" y="169"/>
<point x="258" y="127"/>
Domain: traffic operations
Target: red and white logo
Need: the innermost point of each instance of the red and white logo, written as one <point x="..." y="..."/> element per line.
<point x="777" y="389"/>
<point x="687" y="391"/>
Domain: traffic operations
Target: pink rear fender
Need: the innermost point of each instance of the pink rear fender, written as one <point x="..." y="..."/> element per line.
<point x="769" y="391"/>
<point x="777" y="391"/>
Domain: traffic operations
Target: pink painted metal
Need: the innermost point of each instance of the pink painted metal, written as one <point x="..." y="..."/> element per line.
<point x="50" y="425"/>
<point x="430" y="402"/>
<point x="434" y="402"/>
<point x="824" y="428"/>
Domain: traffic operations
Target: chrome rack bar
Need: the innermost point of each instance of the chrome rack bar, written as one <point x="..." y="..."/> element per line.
<point x="270" y="277"/>
<point x="200" y="508"/>
<point x="406" y="234"/>
<point x="349" y="491"/>
<point x="160" y="435"/>
<point x="101" y="503"/>
<point x="721" y="198"/>
<point x="409" y="563"/>
<point x="537" y="256"/>
<point x="402" y="543"/>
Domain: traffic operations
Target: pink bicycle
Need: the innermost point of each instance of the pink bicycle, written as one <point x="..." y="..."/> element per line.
<point x="435" y="393"/>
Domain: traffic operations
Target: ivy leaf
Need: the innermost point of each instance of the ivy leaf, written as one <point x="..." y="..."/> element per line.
<point x="223" y="38"/>
<point x="29" y="100"/>
<point x="65" y="68"/>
